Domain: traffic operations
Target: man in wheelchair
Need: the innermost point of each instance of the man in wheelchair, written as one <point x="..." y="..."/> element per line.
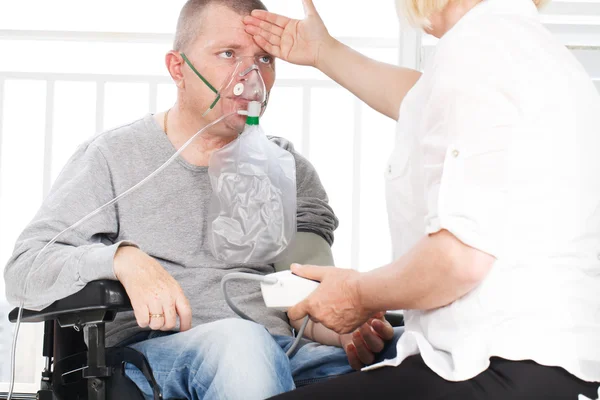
<point x="155" y="241"/>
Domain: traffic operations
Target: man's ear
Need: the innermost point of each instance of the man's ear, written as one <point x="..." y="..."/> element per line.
<point x="174" y="63"/>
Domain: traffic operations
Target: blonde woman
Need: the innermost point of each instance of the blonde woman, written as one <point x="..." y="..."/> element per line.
<point x="494" y="206"/>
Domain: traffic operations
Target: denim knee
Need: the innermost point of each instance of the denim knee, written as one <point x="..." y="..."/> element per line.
<point x="243" y="360"/>
<point x="232" y="359"/>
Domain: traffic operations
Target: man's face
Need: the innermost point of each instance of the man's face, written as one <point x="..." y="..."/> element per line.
<point x="222" y="40"/>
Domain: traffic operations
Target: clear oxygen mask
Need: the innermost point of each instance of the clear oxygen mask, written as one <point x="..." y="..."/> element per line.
<point x="245" y="83"/>
<point x="248" y="85"/>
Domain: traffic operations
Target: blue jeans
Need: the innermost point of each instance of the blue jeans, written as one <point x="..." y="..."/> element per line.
<point x="232" y="359"/>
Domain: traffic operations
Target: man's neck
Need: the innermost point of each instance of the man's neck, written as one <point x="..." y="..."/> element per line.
<point x="182" y="125"/>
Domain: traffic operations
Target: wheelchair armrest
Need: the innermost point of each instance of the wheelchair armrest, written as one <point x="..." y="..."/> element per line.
<point x="395" y="318"/>
<point x="98" y="301"/>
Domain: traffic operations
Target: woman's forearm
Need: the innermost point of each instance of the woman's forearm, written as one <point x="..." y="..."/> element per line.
<point x="382" y="86"/>
<point x="437" y="271"/>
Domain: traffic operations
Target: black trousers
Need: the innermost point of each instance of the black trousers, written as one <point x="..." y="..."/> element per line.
<point x="413" y="380"/>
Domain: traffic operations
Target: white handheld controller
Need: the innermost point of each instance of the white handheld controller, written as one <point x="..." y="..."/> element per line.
<point x="286" y="290"/>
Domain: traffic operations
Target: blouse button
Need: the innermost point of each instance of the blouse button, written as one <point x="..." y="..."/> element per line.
<point x="455" y="153"/>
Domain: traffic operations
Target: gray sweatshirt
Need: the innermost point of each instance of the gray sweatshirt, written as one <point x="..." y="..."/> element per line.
<point x="166" y="218"/>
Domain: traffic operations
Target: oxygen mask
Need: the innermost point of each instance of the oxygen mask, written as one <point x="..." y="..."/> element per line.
<point x="245" y="82"/>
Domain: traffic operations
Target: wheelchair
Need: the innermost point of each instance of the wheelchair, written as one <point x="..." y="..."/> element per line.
<point x="76" y="371"/>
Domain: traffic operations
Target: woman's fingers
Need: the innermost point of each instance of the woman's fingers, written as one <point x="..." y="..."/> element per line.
<point x="252" y="22"/>
<point x="271" y="28"/>
<point x="275" y="51"/>
<point x="269" y="37"/>
<point x="275" y="19"/>
<point x="300" y="310"/>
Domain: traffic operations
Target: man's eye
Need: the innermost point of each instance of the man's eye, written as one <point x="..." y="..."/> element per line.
<point x="226" y="54"/>
<point x="266" y="59"/>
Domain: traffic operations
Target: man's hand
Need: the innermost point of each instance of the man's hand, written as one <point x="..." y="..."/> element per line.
<point x="156" y="297"/>
<point x="365" y="343"/>
<point x="336" y="302"/>
<point x="295" y="41"/>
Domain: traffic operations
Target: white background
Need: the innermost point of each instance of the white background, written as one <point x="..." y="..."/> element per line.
<point x="63" y="79"/>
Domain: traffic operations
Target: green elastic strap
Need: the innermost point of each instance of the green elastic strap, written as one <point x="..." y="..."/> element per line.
<point x="198" y="73"/>
<point x="207" y="83"/>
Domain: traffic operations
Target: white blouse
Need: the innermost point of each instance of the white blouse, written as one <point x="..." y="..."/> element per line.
<point x="499" y="143"/>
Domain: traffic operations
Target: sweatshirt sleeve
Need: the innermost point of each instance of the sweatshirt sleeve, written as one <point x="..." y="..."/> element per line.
<point x="37" y="278"/>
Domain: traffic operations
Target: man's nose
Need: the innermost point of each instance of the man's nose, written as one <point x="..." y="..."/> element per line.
<point x="247" y="66"/>
<point x="248" y="71"/>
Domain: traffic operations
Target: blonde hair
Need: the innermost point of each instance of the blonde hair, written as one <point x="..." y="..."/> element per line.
<point x="418" y="12"/>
